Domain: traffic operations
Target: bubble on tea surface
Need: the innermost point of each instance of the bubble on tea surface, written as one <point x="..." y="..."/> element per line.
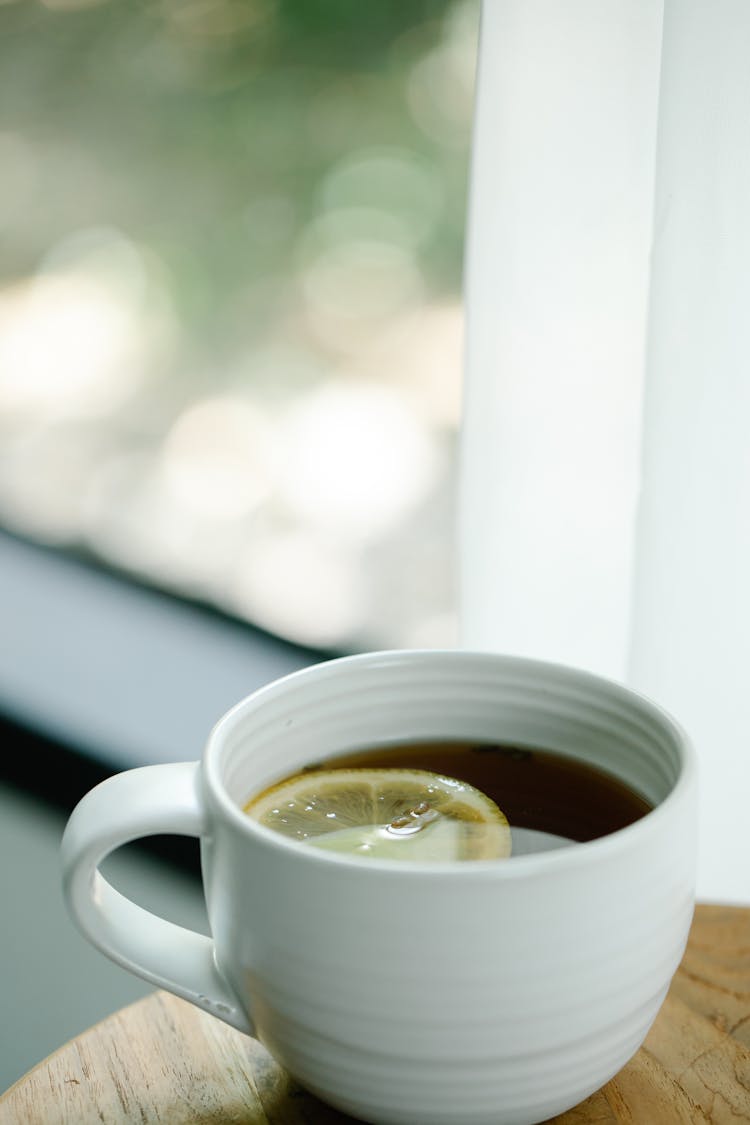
<point x="399" y="814"/>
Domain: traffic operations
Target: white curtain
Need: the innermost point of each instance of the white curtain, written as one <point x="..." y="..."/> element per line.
<point x="605" y="477"/>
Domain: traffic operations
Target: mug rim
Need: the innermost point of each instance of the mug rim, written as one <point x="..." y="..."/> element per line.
<point x="523" y="866"/>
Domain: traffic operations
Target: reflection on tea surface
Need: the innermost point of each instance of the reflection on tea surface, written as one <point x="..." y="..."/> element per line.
<point x="446" y="801"/>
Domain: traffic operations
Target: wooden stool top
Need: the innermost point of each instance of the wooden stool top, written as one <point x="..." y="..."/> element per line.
<point x="164" y="1061"/>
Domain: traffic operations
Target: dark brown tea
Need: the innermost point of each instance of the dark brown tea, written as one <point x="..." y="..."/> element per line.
<point x="549" y="800"/>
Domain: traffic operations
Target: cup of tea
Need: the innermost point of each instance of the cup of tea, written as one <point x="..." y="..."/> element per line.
<point x="443" y="886"/>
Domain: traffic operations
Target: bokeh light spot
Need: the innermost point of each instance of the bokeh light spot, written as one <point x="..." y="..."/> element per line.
<point x="217" y="458"/>
<point x="356" y="459"/>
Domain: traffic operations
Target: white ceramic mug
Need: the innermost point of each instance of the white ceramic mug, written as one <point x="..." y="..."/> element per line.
<point x="479" y="992"/>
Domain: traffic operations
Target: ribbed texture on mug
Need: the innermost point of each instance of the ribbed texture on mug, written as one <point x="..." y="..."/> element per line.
<point x="529" y="1088"/>
<point x="496" y="993"/>
<point x="466" y="698"/>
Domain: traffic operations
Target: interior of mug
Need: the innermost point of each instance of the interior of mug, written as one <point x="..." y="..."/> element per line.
<point x="394" y="698"/>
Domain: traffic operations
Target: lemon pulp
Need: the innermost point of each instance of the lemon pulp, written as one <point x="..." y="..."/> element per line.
<point x="385" y="814"/>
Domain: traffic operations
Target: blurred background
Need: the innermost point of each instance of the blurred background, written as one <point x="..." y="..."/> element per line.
<point x="231" y="237"/>
<point x="230" y="322"/>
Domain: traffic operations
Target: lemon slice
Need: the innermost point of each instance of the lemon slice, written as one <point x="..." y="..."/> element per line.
<point x="385" y="814"/>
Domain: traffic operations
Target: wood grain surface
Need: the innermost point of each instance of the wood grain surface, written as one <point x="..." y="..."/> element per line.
<point x="164" y="1061"/>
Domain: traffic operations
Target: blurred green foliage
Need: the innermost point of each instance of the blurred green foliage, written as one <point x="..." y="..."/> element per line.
<point x="166" y="120"/>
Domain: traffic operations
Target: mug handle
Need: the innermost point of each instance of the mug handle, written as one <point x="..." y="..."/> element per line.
<point x="143" y="802"/>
